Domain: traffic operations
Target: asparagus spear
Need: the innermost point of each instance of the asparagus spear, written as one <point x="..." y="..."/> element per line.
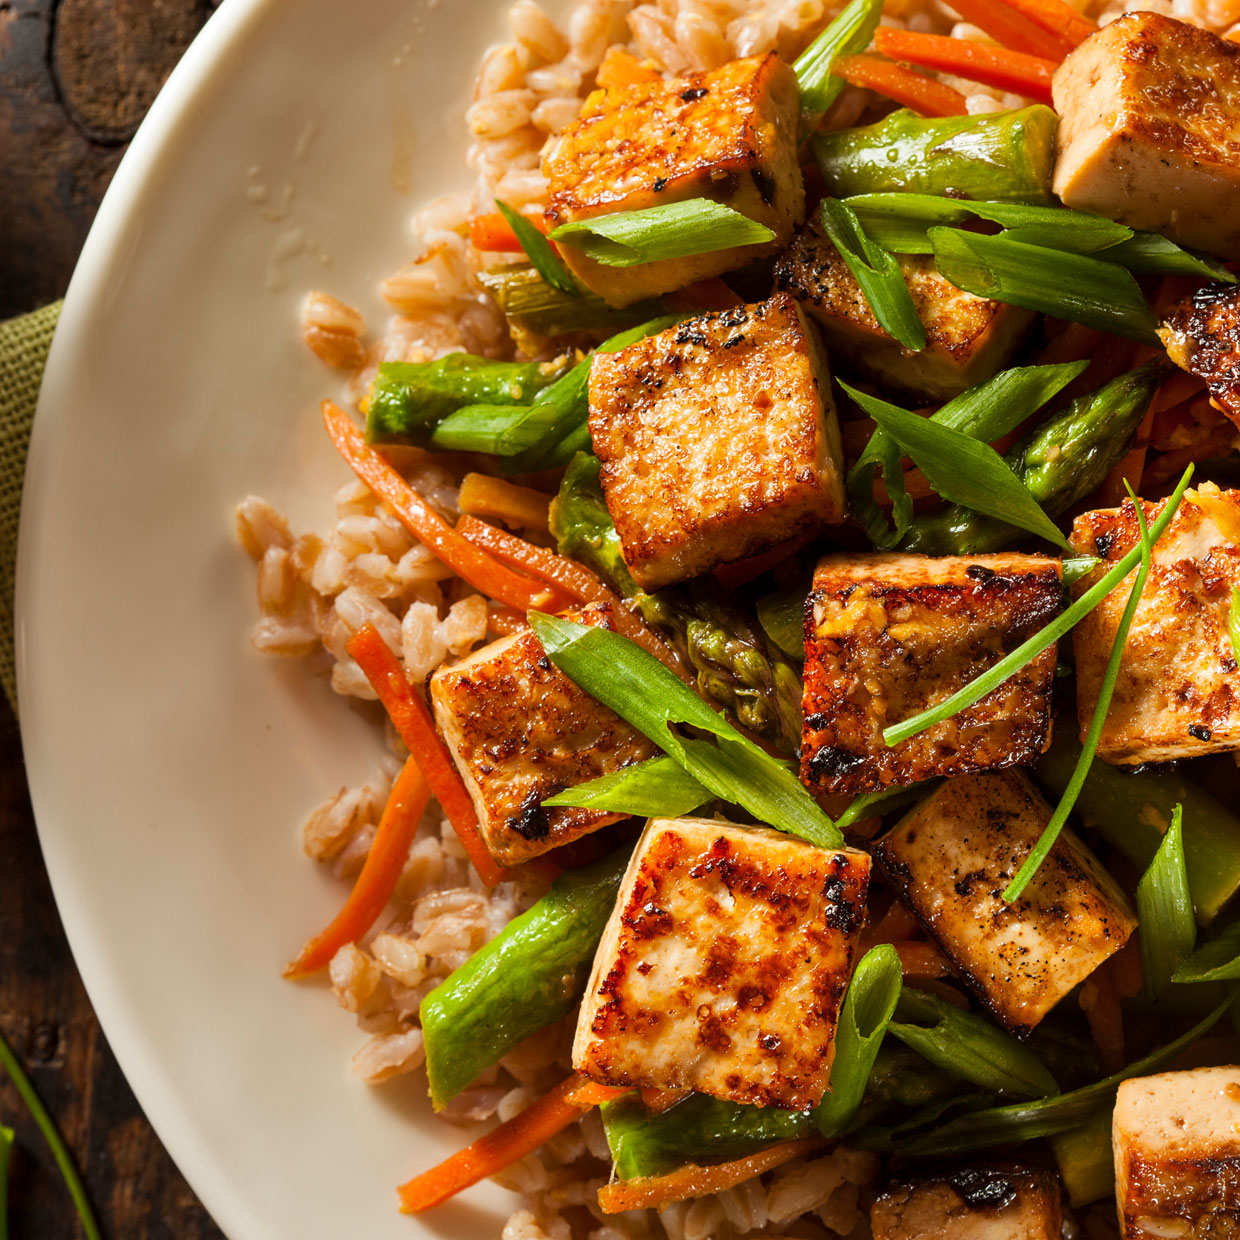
<point x="530" y="975"/>
<point x="1060" y="462"/>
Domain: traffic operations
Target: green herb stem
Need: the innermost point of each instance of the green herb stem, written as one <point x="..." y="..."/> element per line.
<point x="538" y="250"/>
<point x="1165" y="911"/>
<point x="849" y="32"/>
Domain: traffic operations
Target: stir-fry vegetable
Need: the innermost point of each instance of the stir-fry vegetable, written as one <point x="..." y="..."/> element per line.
<point x="999" y="67"/>
<point x="923" y="94"/>
<point x="1165" y="911"/>
<point x="532" y="306"/>
<point x="538" y="250"/>
<point x="850" y="31"/>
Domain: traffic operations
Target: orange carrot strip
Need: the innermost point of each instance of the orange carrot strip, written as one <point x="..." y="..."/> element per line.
<point x="503" y="620"/>
<point x="620" y="68"/>
<point x="921" y="959"/>
<point x="1132" y="466"/>
<point x="493" y="234"/>
<point x="1005" y="25"/>
<point x="923" y="94"/>
<point x="656" y="1191"/>
<point x="426" y="525"/>
<point x="484" y="496"/>
<point x="979" y="62"/>
<point x="741" y="572"/>
<point x="379" y="875"/>
<point x="659" y="1100"/>
<point x="897" y="923"/>
<point x="1105" y="1017"/>
<point x="508" y="1143"/>
<point x="1057" y="17"/>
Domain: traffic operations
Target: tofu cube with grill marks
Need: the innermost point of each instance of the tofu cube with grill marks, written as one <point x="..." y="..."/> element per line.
<point x="724" y="964"/>
<point x="1149" y="130"/>
<point x="520" y="731"/>
<point x="1178" y="692"/>
<point x="968" y="338"/>
<point x="1176" y="1139"/>
<point x="887" y="636"/>
<point x="950" y="859"/>
<point x="729" y="135"/>
<point x="718" y="439"/>
<point x="1202" y="336"/>
<point x="980" y="1203"/>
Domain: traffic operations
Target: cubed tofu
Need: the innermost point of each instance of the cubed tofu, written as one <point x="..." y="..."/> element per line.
<point x="1149" y="130"/>
<point x="1178" y="694"/>
<point x="723" y="966"/>
<point x="974" y="1203"/>
<point x="950" y="859"/>
<point x="887" y="636"/>
<point x="718" y="439"/>
<point x="1202" y="335"/>
<point x="519" y="732"/>
<point x="968" y="338"/>
<point x="729" y="135"/>
<point x="1176" y="1138"/>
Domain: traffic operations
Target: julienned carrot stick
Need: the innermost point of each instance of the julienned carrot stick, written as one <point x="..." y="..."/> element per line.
<point x="484" y="496"/>
<point x="493" y="234"/>
<point x="1005" y="25"/>
<point x="425" y="524"/>
<point x="501" y="620"/>
<point x="508" y="1143"/>
<point x="741" y="572"/>
<point x="620" y="68"/>
<point x="979" y="62"/>
<point x="1060" y="18"/>
<point x="920" y="959"/>
<point x="923" y="94"/>
<point x="379" y="875"/>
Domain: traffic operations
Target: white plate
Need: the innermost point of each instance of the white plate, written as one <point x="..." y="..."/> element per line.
<point x="169" y="764"/>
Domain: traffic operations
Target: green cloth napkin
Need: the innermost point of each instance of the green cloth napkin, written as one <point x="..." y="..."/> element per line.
<point x="24" y="343"/>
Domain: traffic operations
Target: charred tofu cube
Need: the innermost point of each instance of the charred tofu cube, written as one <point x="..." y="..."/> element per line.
<point x="974" y="1203"/>
<point x="520" y="731"/>
<point x="1178" y="692"/>
<point x="724" y="964"/>
<point x="950" y="859"/>
<point x="968" y="339"/>
<point x="718" y="439"/>
<point x="729" y="135"/>
<point x="1149" y="130"/>
<point x="887" y="636"/>
<point x="1176" y="1139"/>
<point x="1202" y="336"/>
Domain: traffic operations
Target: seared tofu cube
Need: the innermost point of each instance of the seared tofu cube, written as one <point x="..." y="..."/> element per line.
<point x="519" y="732"/>
<point x="1178" y="692"/>
<point x="968" y="339"/>
<point x="724" y="964"/>
<point x="729" y="135"/>
<point x="887" y="636"/>
<point x="1149" y="130"/>
<point x="974" y="1203"/>
<point x="718" y="439"/>
<point x="1202" y="336"/>
<point x="950" y="859"/>
<point x="1176" y="1138"/>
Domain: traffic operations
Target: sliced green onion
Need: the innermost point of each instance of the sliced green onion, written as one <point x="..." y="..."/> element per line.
<point x="851" y="31"/>
<point x="1077" y="287"/>
<point x="531" y="305"/>
<point x="1045" y="637"/>
<point x="538" y="250"/>
<point x="657" y="788"/>
<point x="876" y="272"/>
<point x="864" y="1017"/>
<point x="1156" y="254"/>
<point x="1086" y="1163"/>
<point x="1165" y="911"/>
<point x="1077" y="566"/>
<point x="1233" y="624"/>
<point x="621" y="675"/>
<point x="1216" y="961"/>
<point x="655" y="234"/>
<point x="6" y="1146"/>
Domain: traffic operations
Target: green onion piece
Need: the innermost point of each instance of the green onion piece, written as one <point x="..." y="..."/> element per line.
<point x="971" y="1048"/>
<point x="1233" y="623"/>
<point x="655" y="234"/>
<point x="864" y="1018"/>
<point x="1216" y="961"/>
<point x="538" y="250"/>
<point x="657" y="788"/>
<point x="532" y="306"/>
<point x="1077" y="566"/>
<point x="1086" y="1163"/>
<point x="1077" y="287"/>
<point x="851" y="31"/>
<point x="878" y="274"/>
<point x="621" y="675"/>
<point x="782" y="616"/>
<point x="1165" y="911"/>
<point x="1150" y="252"/>
<point x="1028" y="650"/>
<point x="6" y="1145"/>
<point x="51" y="1134"/>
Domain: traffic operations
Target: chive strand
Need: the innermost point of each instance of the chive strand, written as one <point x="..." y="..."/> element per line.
<point x="6" y="1146"/>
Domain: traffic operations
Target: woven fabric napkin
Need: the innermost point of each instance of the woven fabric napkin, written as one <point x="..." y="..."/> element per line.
<point x="24" y="343"/>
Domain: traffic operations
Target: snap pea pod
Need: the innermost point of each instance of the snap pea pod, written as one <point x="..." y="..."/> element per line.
<point x="528" y="976"/>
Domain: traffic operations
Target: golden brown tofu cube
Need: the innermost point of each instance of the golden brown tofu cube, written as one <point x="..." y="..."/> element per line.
<point x="1176" y="1138"/>
<point x="1149" y="130"/>
<point x="1178" y="692"/>
<point x="718" y="439"/>
<point x="1202" y="336"/>
<point x="887" y="636"/>
<point x="729" y="135"/>
<point x="724" y="964"/>
<point x="974" y="1203"/>
<point x="950" y="859"/>
<point x="968" y="339"/>
<point x="520" y="731"/>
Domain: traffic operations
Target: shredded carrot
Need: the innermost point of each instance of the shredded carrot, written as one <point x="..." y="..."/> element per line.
<point x="1013" y="29"/>
<point x="420" y="519"/>
<point x="741" y="572"/>
<point x="923" y="94"/>
<point x="493" y="234"/>
<point x="712" y="294"/>
<point x="978" y="62"/>
<point x="1179" y="387"/>
<point x="897" y="923"/>
<point x="1105" y="1016"/>
<point x="1132" y="466"/>
<point x="620" y="68"/>
<point x="503" y="1146"/>
<point x="502" y="621"/>
<point x="656" y="1191"/>
<point x="484" y="496"/>
<point x="659" y="1100"/>
<point x="921" y="959"/>
<point x="1058" y="18"/>
<point x="375" y="884"/>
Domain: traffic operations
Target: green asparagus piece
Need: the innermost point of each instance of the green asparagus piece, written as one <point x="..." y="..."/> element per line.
<point x="1086" y="1163"/>
<point x="530" y="975"/>
<point x="530" y="304"/>
<point x="1061" y="462"/>
<point x="997" y="157"/>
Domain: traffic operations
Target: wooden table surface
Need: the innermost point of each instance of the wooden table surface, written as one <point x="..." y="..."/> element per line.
<point x="76" y="77"/>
